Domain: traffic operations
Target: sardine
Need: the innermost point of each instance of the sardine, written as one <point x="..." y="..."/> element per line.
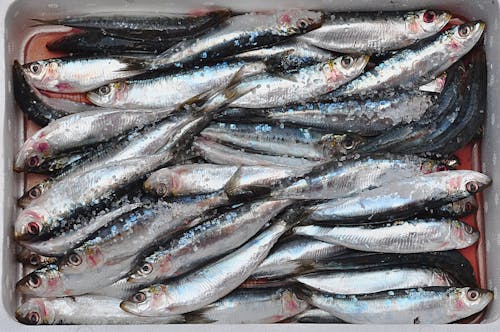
<point x="412" y="236"/>
<point x="240" y="33"/>
<point x="205" y="242"/>
<point x="82" y="310"/>
<point x="250" y="306"/>
<point x="375" y="32"/>
<point x="26" y="256"/>
<point x="430" y="305"/>
<point x="402" y="198"/>
<point x="277" y="140"/>
<point x="412" y="67"/>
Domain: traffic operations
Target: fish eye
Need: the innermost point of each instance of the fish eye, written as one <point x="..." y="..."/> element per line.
<point x="302" y="24"/>
<point x="35" y="68"/>
<point x="33" y="161"/>
<point x="468" y="229"/>
<point x="32" y="318"/>
<point x="472" y="187"/>
<point x="468" y="207"/>
<point x="146" y="269"/>
<point x="104" y="90"/>
<point x="348" y="143"/>
<point x="162" y="189"/>
<point x="33" y="228"/>
<point x="34" y="259"/>
<point x="34" y="281"/>
<point x="34" y="192"/>
<point x="429" y="16"/>
<point x="472" y="294"/>
<point x="347" y="61"/>
<point x="139" y="297"/>
<point x="464" y="30"/>
<point x="74" y="259"/>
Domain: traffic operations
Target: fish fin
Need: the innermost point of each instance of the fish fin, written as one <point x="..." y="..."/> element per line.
<point x="235" y="192"/>
<point x="135" y="64"/>
<point x="197" y="317"/>
<point x="42" y="22"/>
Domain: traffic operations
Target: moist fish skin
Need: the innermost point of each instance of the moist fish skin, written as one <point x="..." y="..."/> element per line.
<point x="396" y="200"/>
<point x="315" y="316"/>
<point x="238" y="34"/>
<point x="250" y="306"/>
<point x="77" y="74"/>
<point x="429" y="305"/>
<point x="375" y="33"/>
<point x="376" y="280"/>
<point x="205" y="242"/>
<point x="82" y="310"/>
<point x="204" y="286"/>
<point x="410" y="68"/>
<point x="412" y="236"/>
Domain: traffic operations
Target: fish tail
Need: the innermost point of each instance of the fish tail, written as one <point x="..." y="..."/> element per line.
<point x="236" y="192"/>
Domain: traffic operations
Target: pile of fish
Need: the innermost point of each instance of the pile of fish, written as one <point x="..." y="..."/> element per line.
<point x="287" y="166"/>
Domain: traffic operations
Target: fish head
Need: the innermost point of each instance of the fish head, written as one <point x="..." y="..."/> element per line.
<point x="465" y="183"/>
<point x="32" y="154"/>
<point x="464" y="206"/>
<point x="36" y="311"/>
<point x="32" y="194"/>
<point x="153" y="268"/>
<point x="43" y="282"/>
<point x="299" y="21"/>
<point x="340" y="144"/>
<point x="107" y="95"/>
<point x="427" y="22"/>
<point x="462" y="234"/>
<point x="463" y="37"/>
<point x="30" y="224"/>
<point x="467" y="300"/>
<point x="27" y="256"/>
<point x="161" y="183"/>
<point x="44" y="73"/>
<point x="151" y="301"/>
<point x="82" y="259"/>
<point x="345" y="68"/>
<point x="291" y="304"/>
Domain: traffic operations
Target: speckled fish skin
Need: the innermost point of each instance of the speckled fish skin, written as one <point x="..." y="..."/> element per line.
<point x="241" y="33"/>
<point x="367" y="117"/>
<point x="75" y="74"/>
<point x="305" y="84"/>
<point x="79" y="130"/>
<point x="250" y="306"/>
<point x="112" y="252"/>
<point x="375" y="32"/>
<point x="209" y="283"/>
<point x="412" y="67"/>
<point x="292" y="256"/>
<point x="372" y="281"/>
<point x="342" y="178"/>
<point x="169" y="90"/>
<point x="396" y="200"/>
<point x="205" y="242"/>
<point x="315" y="316"/>
<point x="60" y="243"/>
<point x="430" y="305"/>
<point x="277" y="140"/>
<point x="412" y="236"/>
<point x="221" y="154"/>
<point x="82" y="310"/>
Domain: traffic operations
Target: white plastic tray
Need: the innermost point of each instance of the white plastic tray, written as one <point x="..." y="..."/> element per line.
<point x="16" y="17"/>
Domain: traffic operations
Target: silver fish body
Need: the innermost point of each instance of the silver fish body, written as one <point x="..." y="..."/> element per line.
<point x="430" y="305"/>
<point x="250" y="306"/>
<point x="315" y="316"/>
<point x="419" y="235"/>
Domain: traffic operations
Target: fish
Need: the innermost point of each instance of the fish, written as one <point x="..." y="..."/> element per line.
<point x="250" y="306"/>
<point x="154" y="27"/>
<point x="436" y="85"/>
<point x="373" y="281"/>
<point x="221" y="154"/>
<point x="79" y="130"/>
<point x="429" y="305"/>
<point x="410" y="236"/>
<point x="412" y="67"/>
<point x="31" y="258"/>
<point x="167" y="90"/>
<point x="460" y="208"/>
<point x="82" y="310"/>
<point x="306" y="84"/>
<point x="315" y="316"/>
<point x="294" y="256"/>
<point x="204" y="242"/>
<point x="211" y="282"/>
<point x="402" y="198"/>
<point x="276" y="140"/>
<point x="238" y="34"/>
<point x="81" y="74"/>
<point x="369" y="32"/>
